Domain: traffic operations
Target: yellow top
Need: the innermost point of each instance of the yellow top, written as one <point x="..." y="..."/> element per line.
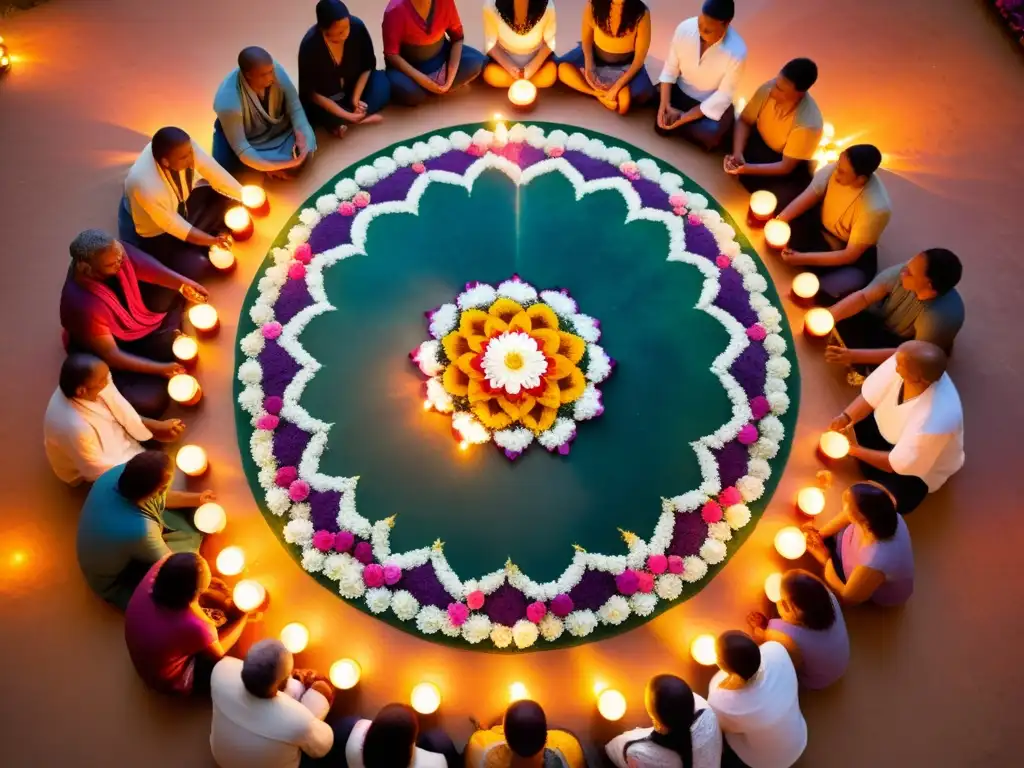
<point x="852" y="214"/>
<point x="618" y="44"/>
<point x="487" y="749"/>
<point x="792" y="132"/>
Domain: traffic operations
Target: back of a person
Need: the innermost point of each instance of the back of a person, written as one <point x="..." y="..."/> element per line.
<point x="894" y="557"/>
<point x="705" y="744"/>
<point x="108" y="527"/>
<point x="825" y="653"/>
<point x="561" y="750"/>
<point x="943" y="418"/>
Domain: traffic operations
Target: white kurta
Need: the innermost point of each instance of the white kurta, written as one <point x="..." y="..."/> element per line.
<point x="85" y="438"/>
<point x="712" y="78"/>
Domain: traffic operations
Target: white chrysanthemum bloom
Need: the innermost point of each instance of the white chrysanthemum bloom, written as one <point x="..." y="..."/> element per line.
<point x="560" y="303"/>
<point x="551" y="627"/>
<point x="439" y="145"/>
<point x="586" y="328"/>
<point x="588" y="405"/>
<point x="649" y="169"/>
<point x="261" y="313"/>
<point x="515" y="439"/>
<point x="313" y="560"/>
<point x="695" y="569"/>
<point x="513" y="362"/>
<point x="750" y="488"/>
<point x="712" y="551"/>
<point x="559" y="434"/>
<point x="366" y="176"/>
<point x="643" y="603"/>
<point x="755" y="282"/>
<point x="577" y="142"/>
<point x="335" y="566"/>
<point x="774" y="384"/>
<point x="253" y="343"/>
<point x="351" y="587"/>
<point x="438" y="396"/>
<point x="696" y="202"/>
<point x="298" y="532"/>
<point x="268" y="476"/>
<point x="460" y="140"/>
<point x="327" y="204"/>
<point x="779" y="401"/>
<point x="484" y="138"/>
<point x="518" y="291"/>
<point x="298" y="234"/>
<point x="471" y="430"/>
<point x="744" y="264"/>
<point x="617" y="156"/>
<point x="269" y="290"/>
<point x="535" y="136"/>
<point x="759" y="301"/>
<point x="501" y="636"/>
<point x="422" y="151"/>
<point x="771" y="319"/>
<point x="774" y="344"/>
<point x="278" y="501"/>
<point x="378" y="600"/>
<point x="779" y="366"/>
<point x="711" y="219"/>
<point x="615" y="610"/>
<point x="517" y="133"/>
<point x="731" y="249"/>
<point x="443" y="321"/>
<point x="720" y="531"/>
<point x="251" y="399"/>
<point x="482" y="295"/>
<point x="580" y="623"/>
<point x="770" y="427"/>
<point x="668" y="586"/>
<point x="250" y="372"/>
<point x="525" y="633"/>
<point x="263" y="454"/>
<point x="384" y="166"/>
<point x="404" y="605"/>
<point x="476" y="629"/>
<point x="309" y="217"/>
<point x="671" y="182"/>
<point x="764" y="448"/>
<point x="282" y="256"/>
<point x="599" y="365"/>
<point x="737" y="516"/>
<point x="426" y="357"/>
<point x="403" y="156"/>
<point x="429" y="619"/>
<point x="759" y="468"/>
<point x="596" y="149"/>
<point x="448" y="629"/>
<point x="346" y="189"/>
<point x="558" y="138"/>
<point x="301" y="511"/>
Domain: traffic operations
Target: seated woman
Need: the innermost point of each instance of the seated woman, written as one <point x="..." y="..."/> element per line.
<point x="685" y="731"/>
<point x="608" y="64"/>
<point x="126" y="526"/>
<point x="424" y="50"/>
<point x="391" y="740"/>
<point x="260" y="121"/>
<point x="339" y="83"/>
<point x="524" y="739"/>
<point x="519" y="38"/>
<point x="179" y="623"/>
<point x="105" y="310"/>
<point x="837" y="221"/>
<point x="810" y="626"/>
<point x="865" y="549"/>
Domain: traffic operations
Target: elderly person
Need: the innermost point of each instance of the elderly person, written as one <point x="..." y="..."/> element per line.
<point x="810" y="626"/>
<point x="609" y="62"/>
<point x="909" y="424"/>
<point x="778" y="133"/>
<point x="339" y="82"/>
<point x="425" y="52"/>
<point x="917" y="300"/>
<point x="703" y="68"/>
<point x="837" y="221"/>
<point x="89" y="427"/>
<point x="124" y="307"/>
<point x="175" y="197"/>
<point x="127" y="525"/>
<point x="179" y="623"/>
<point x="260" y="121"/>
<point x="266" y="714"/>
<point x="523" y="740"/>
<point x="391" y="740"/>
<point x="865" y="550"/>
<point x="519" y="39"/>
<point x="755" y="697"/>
<point x="685" y="731"/>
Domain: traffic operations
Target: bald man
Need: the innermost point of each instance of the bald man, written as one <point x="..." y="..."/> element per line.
<point x="915" y="440"/>
<point x="260" y="120"/>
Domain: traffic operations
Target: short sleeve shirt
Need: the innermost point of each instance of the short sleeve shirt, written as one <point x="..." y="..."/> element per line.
<point x="404" y="26"/>
<point x="792" y="132"/>
<point x="856" y="215"/>
<point x="319" y="73"/>
<point x="937" y="320"/>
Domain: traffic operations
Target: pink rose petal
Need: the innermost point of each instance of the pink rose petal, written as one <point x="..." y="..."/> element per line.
<point x="418" y="167"/>
<point x="268" y="421"/>
<point x="646" y="582"/>
<point x="536" y="611"/>
<point x="361" y="199"/>
<point x="756" y="332"/>
<point x="297" y="270"/>
<point x="457" y="613"/>
<point x="347" y="208"/>
<point x="392" y="575"/>
<point x="271" y="330"/>
<point x="730" y="496"/>
<point x="323" y="541"/>
<point x="723" y="261"/>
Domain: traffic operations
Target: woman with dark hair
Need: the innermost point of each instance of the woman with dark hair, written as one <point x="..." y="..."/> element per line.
<point x="608" y="64"/>
<point x="339" y="83"/>
<point x="519" y="38"/>
<point x="685" y="732"/>
<point x="391" y="740"/>
<point x="179" y="623"/>
<point x="810" y="626"/>
<point x="865" y="549"/>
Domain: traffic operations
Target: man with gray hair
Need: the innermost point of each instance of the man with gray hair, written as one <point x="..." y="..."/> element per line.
<point x="915" y="440"/>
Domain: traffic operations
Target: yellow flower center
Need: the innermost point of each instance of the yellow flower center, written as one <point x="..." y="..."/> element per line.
<point x="513" y="361"/>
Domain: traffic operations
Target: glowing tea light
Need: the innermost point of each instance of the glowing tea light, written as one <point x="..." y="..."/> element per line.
<point x="344" y="674"/>
<point x="184" y="389"/>
<point x="426" y="405"/>
<point x="517" y="692"/>
<point x="703" y="650"/>
<point x="776" y="234"/>
<point x="790" y="542"/>
<point x="522" y="94"/>
<point x="819" y="322"/>
<point x="806" y="285"/>
<point x="500" y="135"/>
<point x="773" y="587"/>
<point x="231" y="561"/>
<point x="834" y="445"/>
<point x="295" y="637"/>
<point x="426" y="698"/>
<point x="248" y="595"/>
<point x="611" y="704"/>
<point x="762" y="206"/>
<point x="464" y="446"/>
<point x="186" y="349"/>
<point x="255" y="199"/>
<point x="203" y="318"/>
<point x="210" y="518"/>
<point x="5" y="58"/>
<point x="238" y="220"/>
<point x="222" y="258"/>
<point x="811" y="501"/>
<point x="191" y="460"/>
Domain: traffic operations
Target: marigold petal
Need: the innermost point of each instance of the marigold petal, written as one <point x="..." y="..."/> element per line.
<point x="477" y="391"/>
<point x="455" y="345"/>
<point x="472" y="322"/>
<point x="521" y="322"/>
<point x="543" y="316"/>
<point x="455" y="381"/>
<point x="505" y="309"/>
<point x="571" y="346"/>
<point x="562" y="367"/>
<point x="548" y="339"/>
<point x="508" y="406"/>
<point x="494" y="326"/>
<point x="491" y="415"/>
<point x="465" y="364"/>
<point x="571" y="387"/>
<point x="539" y="418"/>
<point x="476" y="343"/>
<point x="526" y="405"/>
<point x="552" y="395"/>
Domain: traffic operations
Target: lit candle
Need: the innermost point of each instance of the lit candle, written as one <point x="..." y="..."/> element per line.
<point x="255" y="199"/>
<point x="463" y="446"/>
<point x="5" y="58"/>
<point x="818" y="322"/>
<point x="295" y="637"/>
<point x="345" y="674"/>
<point x="762" y="206"/>
<point x="248" y="595"/>
<point x="611" y="704"/>
<point x="204" y="318"/>
<point x="811" y="501"/>
<point x="522" y="94"/>
<point x="517" y="692"/>
<point x="703" y="651"/>
<point x="773" y="587"/>
<point x="186" y="349"/>
<point x="222" y="258"/>
<point x="790" y="542"/>
<point x="231" y="561"/>
<point x="806" y="285"/>
<point x="500" y="135"/>
<point x="834" y="445"/>
<point x="191" y="460"/>
<point x="184" y="389"/>
<point x="426" y="698"/>
<point x="426" y="405"/>
<point x="776" y="234"/>
<point x="238" y="220"/>
<point x="210" y="518"/>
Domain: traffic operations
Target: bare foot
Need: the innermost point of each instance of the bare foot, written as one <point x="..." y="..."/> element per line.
<point x="612" y="104"/>
<point x="340" y="131"/>
<point x="372" y="119"/>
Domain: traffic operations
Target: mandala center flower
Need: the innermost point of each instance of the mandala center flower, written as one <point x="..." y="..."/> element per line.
<point x="514" y="361"/>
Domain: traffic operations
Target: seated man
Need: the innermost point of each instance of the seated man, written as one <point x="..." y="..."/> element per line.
<point x="260" y="120"/>
<point x="424" y="50"/>
<point x="523" y="739"/>
<point x="778" y="133"/>
<point x="837" y="222"/>
<point x="126" y="526"/>
<point x="917" y="300"/>
<point x="267" y="714"/>
<point x="705" y="61"/>
<point x="103" y="313"/>
<point x="167" y="212"/>
<point x="914" y="440"/>
<point x="755" y="698"/>
<point x="89" y="427"/>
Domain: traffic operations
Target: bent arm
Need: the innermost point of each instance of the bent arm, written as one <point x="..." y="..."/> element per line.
<point x="847" y="255"/>
<point x="859" y="586"/>
<point x="643" y="46"/>
<point x="782" y="167"/>
<point x="107" y="350"/>
<point x="234" y="129"/>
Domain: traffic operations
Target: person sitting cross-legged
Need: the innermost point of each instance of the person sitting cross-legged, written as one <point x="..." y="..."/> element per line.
<point x="916" y="300"/>
<point x="519" y="39"/>
<point x="392" y="739"/>
<point x="837" y="221"/>
<point x="89" y="427"/>
<point x="778" y="133"/>
<point x="127" y="524"/>
<point x="908" y="423"/>
<point x="260" y="121"/>
<point x="524" y="741"/>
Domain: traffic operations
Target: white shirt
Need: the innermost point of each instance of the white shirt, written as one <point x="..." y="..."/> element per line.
<point x="421" y="758"/>
<point x="153" y="199"/>
<point x="250" y="732"/>
<point x="705" y="737"/>
<point x="926" y="433"/>
<point x="712" y="78"/>
<point x="85" y="438"/>
<point x="520" y="47"/>
<point x="762" y="720"/>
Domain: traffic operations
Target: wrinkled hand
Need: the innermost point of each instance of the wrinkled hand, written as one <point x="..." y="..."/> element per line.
<point x="168" y="430"/>
<point x="168" y="370"/>
<point x="838" y="355"/>
<point x="757" y="620"/>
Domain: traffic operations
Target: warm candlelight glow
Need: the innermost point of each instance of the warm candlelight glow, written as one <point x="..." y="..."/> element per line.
<point x="231" y="561"/>
<point x="703" y="650"/>
<point x="776" y="234"/>
<point x="762" y="204"/>
<point x="463" y="445"/>
<point x="806" y="285"/>
<point x="248" y="595"/>
<point x="191" y="460"/>
<point x="819" y="322"/>
<point x="834" y="445"/>
<point x="203" y="317"/>
<point x="522" y="93"/>
<point x="345" y="674"/>
<point x="500" y="135"/>
<point x="773" y="587"/>
<point x="184" y="389"/>
<point x="828" y="131"/>
<point x="426" y="698"/>
<point x="426" y="405"/>
<point x="611" y="704"/>
<point x="238" y="220"/>
<point x="253" y="197"/>
<point x="295" y="637"/>
<point x="222" y="258"/>
<point x="185" y="348"/>
<point x="811" y="501"/>
<point x="210" y="518"/>
<point x="517" y="692"/>
<point x="790" y="542"/>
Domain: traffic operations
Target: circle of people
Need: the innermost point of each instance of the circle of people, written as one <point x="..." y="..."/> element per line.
<point x="122" y="307"/>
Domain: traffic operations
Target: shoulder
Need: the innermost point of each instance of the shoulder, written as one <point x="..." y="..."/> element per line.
<point x="686" y="28"/>
<point x="227" y="91"/>
<point x="734" y="44"/>
<point x="878" y="196"/>
<point x="810" y="113"/>
<point x="824" y="174"/>
<point x="393" y="7"/>
<point x="946" y="413"/>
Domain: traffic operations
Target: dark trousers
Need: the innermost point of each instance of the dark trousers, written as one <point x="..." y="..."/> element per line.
<point x="807" y="235"/>
<point x="408" y="93"/>
<point x="432" y="741"/>
<point x="908" y="490"/>
<point x="377" y="94"/>
<point x="785" y="188"/>
<point x="729" y="758"/>
<point x="704" y="132"/>
<point x="866" y="330"/>
<point x="223" y="152"/>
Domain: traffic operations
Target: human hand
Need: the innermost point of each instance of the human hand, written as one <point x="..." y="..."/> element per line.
<point x="362" y="106"/>
<point x="757" y="620"/>
<point x="167" y="370"/>
<point x="838" y="355"/>
<point x="591" y="77"/>
<point x="841" y="423"/>
<point x="205" y="497"/>
<point x="224" y="241"/>
<point x="194" y="292"/>
<point x="817" y="547"/>
<point x="789" y="256"/>
<point x="300" y="145"/>
<point x="735" y="168"/>
<point x="809" y="528"/>
<point x="305" y="676"/>
<point x="168" y="430"/>
<point x="324" y="689"/>
<point x="217" y="584"/>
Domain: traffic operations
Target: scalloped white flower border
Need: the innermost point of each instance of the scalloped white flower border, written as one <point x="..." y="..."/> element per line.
<point x="344" y="568"/>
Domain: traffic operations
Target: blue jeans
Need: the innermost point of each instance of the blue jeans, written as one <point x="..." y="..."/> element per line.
<point x="377" y="94"/>
<point x="641" y="89"/>
<point x="408" y="93"/>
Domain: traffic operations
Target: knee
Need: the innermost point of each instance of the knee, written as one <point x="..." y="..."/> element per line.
<point x="404" y="91"/>
<point x="567" y="73"/>
<point x="150" y="398"/>
<point x="546" y="75"/>
<point x="496" y="76"/>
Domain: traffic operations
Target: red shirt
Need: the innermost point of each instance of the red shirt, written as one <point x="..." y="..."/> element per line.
<point x="404" y="26"/>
